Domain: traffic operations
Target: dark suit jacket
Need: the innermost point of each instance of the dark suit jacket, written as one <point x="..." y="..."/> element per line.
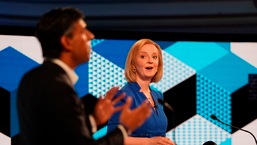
<point x="51" y="113"/>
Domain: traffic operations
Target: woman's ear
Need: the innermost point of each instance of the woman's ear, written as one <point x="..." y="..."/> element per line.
<point x="66" y="42"/>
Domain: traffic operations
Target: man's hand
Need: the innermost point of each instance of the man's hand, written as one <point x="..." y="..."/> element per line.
<point x="104" y="108"/>
<point x="132" y="119"/>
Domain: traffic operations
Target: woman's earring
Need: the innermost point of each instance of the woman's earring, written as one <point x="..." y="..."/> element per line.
<point x="134" y="70"/>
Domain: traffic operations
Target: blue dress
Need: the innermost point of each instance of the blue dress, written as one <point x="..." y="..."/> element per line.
<point x="155" y="125"/>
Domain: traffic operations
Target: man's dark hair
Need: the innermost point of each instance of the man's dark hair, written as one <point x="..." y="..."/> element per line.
<point x="52" y="26"/>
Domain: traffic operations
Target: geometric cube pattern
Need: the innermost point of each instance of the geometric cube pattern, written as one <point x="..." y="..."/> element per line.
<point x="13" y="65"/>
<point x="103" y="74"/>
<point x="174" y="72"/>
<point x="198" y="130"/>
<point x="182" y="98"/>
<point x="212" y="99"/>
<point x="200" y="79"/>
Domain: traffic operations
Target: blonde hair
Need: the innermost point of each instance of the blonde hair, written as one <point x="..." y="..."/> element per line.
<point x="129" y="73"/>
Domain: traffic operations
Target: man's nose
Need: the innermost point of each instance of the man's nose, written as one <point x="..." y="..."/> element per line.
<point x="90" y="35"/>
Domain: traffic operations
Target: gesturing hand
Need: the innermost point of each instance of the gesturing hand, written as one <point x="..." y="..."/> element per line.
<point x="105" y="106"/>
<point x="132" y="119"/>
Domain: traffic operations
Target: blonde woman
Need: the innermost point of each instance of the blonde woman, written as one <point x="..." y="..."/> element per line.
<point x="144" y="65"/>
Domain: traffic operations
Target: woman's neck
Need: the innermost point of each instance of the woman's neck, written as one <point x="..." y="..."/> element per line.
<point x="144" y="85"/>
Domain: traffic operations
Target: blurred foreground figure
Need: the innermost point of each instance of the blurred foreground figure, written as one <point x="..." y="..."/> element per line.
<point x="50" y="112"/>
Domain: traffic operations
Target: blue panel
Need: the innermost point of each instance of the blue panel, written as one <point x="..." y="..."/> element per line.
<point x="114" y="50"/>
<point x="82" y="85"/>
<point x="13" y="65"/>
<point x="14" y="114"/>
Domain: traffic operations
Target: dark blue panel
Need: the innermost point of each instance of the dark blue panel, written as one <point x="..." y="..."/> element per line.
<point x="114" y="50"/>
<point x="13" y="65"/>
<point x="82" y="84"/>
<point x="165" y="44"/>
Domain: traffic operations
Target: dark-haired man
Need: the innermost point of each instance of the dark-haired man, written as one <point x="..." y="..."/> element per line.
<point x="50" y="112"/>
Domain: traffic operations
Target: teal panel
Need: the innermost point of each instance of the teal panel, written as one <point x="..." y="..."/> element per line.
<point x="224" y="45"/>
<point x="212" y="99"/>
<point x="100" y="133"/>
<point x="197" y="54"/>
<point x="227" y="142"/>
<point x="230" y="72"/>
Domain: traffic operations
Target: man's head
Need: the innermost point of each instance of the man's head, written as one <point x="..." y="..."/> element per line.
<point x="62" y="32"/>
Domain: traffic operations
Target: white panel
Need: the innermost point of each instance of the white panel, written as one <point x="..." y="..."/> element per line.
<point x="4" y="140"/>
<point x="246" y="51"/>
<point x="244" y="138"/>
<point x="27" y="45"/>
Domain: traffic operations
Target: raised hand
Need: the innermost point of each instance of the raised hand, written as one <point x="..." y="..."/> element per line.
<point x="105" y="108"/>
<point x="132" y="119"/>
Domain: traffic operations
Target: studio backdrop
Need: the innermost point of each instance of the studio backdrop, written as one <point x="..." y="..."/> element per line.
<point x="200" y="79"/>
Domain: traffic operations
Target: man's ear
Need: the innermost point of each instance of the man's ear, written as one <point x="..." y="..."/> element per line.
<point x="66" y="42"/>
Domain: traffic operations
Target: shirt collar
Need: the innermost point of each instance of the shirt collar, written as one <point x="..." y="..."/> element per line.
<point x="135" y="85"/>
<point x="70" y="72"/>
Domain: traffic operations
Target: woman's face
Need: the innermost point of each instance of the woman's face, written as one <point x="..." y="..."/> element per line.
<point x="146" y="62"/>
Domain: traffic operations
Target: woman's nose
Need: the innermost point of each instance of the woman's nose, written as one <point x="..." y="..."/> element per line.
<point x="150" y="61"/>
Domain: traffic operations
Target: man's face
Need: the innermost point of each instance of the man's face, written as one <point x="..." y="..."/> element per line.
<point x="81" y="42"/>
